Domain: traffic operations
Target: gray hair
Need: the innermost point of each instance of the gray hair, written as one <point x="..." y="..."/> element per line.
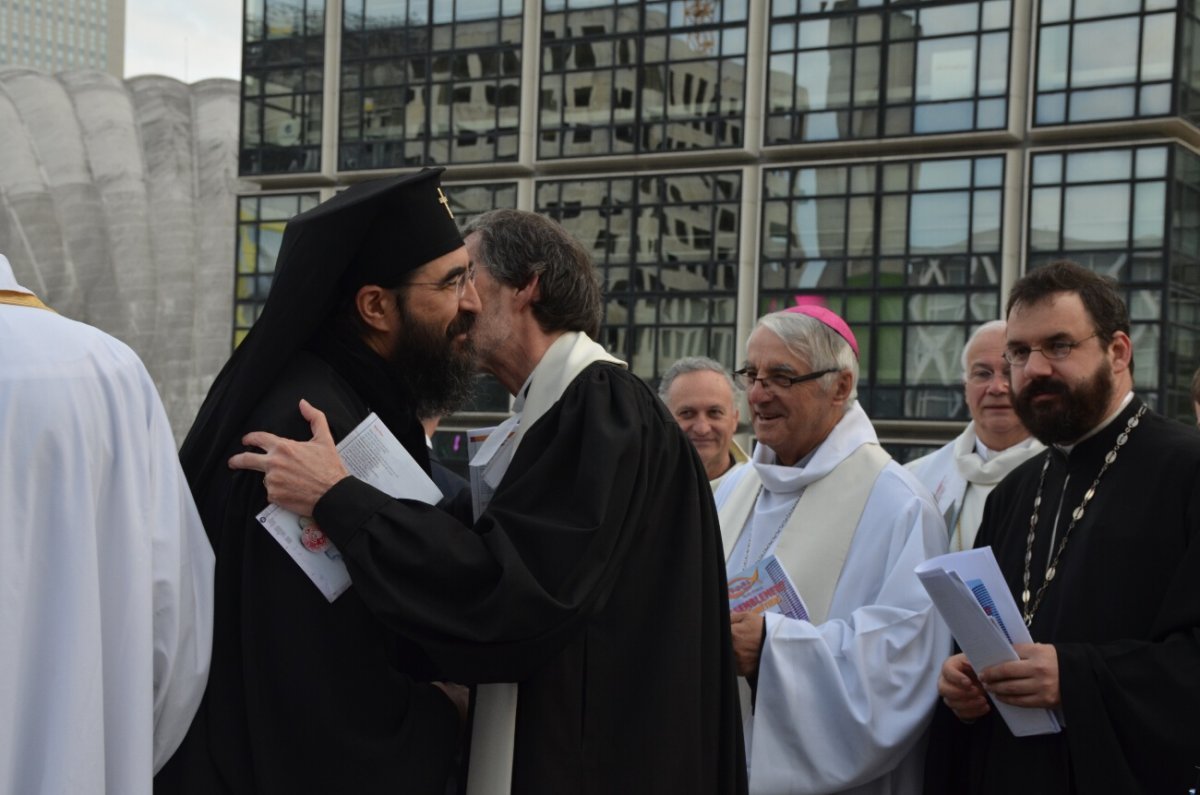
<point x="991" y="325"/>
<point x="816" y="343"/>
<point x="516" y="246"/>
<point x="695" y="364"/>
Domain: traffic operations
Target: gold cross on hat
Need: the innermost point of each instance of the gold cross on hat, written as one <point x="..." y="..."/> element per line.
<point x="442" y="200"/>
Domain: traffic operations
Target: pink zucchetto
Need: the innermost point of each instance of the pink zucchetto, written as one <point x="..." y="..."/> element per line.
<point x="827" y="317"/>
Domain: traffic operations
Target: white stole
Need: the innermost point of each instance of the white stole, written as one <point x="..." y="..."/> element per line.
<point x="961" y="480"/>
<point x="493" y="732"/>
<point x="830" y="508"/>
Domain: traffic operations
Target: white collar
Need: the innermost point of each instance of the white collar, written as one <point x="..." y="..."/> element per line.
<point x="991" y="468"/>
<point x="852" y="431"/>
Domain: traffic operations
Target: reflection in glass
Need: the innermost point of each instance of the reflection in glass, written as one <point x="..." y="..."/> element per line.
<point x="261" y="221"/>
<point x="908" y="251"/>
<point x="666" y="249"/>
<point x="423" y="89"/>
<point x="826" y="77"/>
<point x="1107" y="67"/>
<point x="620" y="78"/>
<point x="282" y="51"/>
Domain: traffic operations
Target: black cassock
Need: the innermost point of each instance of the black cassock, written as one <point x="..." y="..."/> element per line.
<point x="304" y="696"/>
<point x="1123" y="613"/>
<point x="595" y="579"/>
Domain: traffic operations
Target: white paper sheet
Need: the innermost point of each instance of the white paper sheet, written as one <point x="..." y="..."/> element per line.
<point x="372" y="454"/>
<point x="970" y="592"/>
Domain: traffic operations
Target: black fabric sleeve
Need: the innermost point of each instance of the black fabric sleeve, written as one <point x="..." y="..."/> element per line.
<point x="541" y="558"/>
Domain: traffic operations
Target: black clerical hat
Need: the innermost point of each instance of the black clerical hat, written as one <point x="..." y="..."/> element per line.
<point x="375" y="232"/>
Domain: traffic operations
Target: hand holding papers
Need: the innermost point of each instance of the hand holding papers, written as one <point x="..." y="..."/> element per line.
<point x="973" y="598"/>
<point x="765" y="588"/>
<point x="372" y="454"/>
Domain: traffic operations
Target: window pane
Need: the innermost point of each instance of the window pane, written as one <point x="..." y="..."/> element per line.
<point x="938" y="222"/>
<point x="1096" y="217"/>
<point x="1047" y="169"/>
<point x="1101" y="54"/>
<point x="1103" y="104"/>
<point x="1158" y="47"/>
<point x="946" y="68"/>
<point x="1104" y="8"/>
<point x="1149" y="213"/>
<point x="1052" y="57"/>
<point x="1045" y="209"/>
<point x="1104" y="164"/>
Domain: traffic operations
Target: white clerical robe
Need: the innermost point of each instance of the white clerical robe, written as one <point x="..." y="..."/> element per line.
<point x="962" y="474"/>
<point x="841" y="705"/>
<point x="106" y="574"/>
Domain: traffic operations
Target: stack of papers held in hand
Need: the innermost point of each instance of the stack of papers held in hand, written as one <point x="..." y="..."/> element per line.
<point x="970" y="592"/>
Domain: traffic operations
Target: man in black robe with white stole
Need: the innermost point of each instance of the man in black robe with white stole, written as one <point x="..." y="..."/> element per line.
<point x="368" y="312"/>
<point x="595" y="577"/>
<point x="1110" y="578"/>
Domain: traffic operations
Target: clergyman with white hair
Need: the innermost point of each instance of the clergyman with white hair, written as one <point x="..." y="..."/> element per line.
<point x="963" y="473"/>
<point x="841" y="697"/>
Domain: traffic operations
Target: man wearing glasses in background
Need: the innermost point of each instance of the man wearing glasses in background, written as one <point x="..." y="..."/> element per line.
<point x="840" y="698"/>
<point x="963" y="473"/>
<point x="1099" y="540"/>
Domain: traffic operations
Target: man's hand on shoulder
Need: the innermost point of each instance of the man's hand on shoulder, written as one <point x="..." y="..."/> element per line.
<point x="295" y="474"/>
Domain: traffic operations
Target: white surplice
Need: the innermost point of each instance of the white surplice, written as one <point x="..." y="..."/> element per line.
<point x="106" y="576"/>
<point x="962" y="474"/>
<point x="841" y="705"/>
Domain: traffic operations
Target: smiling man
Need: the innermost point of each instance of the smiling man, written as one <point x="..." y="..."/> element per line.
<point x="1099" y="540"/>
<point x="700" y="396"/>
<point x="962" y="474"/>
<point x="369" y="312"/>
<point x="842" y="696"/>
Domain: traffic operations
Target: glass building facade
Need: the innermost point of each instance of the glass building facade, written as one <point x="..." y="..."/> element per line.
<point x="902" y="162"/>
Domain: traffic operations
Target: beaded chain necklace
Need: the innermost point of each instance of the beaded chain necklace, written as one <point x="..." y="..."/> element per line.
<point x="774" y="538"/>
<point x="1028" y="609"/>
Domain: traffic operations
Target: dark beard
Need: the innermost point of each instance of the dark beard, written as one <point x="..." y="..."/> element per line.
<point x="440" y="375"/>
<point x="1073" y="415"/>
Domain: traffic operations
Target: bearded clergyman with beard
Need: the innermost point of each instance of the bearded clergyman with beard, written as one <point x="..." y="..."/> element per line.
<point x="368" y="312"/>
<point x="1099" y="540"/>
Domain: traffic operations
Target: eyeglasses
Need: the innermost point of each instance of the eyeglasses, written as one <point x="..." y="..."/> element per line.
<point x="983" y="376"/>
<point x="746" y="377"/>
<point x="458" y="281"/>
<point x="1018" y="355"/>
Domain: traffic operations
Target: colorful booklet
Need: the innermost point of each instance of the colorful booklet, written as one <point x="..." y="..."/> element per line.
<point x="766" y="588"/>
<point x="372" y="454"/>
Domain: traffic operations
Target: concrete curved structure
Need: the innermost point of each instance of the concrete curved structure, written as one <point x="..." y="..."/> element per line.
<point x="118" y="207"/>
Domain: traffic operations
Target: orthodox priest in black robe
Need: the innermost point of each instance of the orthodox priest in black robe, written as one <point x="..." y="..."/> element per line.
<point x="1122" y="606"/>
<point x="594" y="578"/>
<point x="304" y="694"/>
